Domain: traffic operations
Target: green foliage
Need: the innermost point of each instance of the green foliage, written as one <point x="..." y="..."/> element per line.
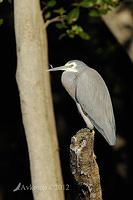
<point x="73" y="31"/>
<point x="60" y="11"/>
<point x="86" y="4"/>
<point x="72" y="11"/>
<point x="94" y="13"/>
<point x="48" y="4"/>
<point x="1" y="22"/>
<point x="60" y="25"/>
<point x="10" y="1"/>
<point x="47" y="15"/>
<point x="1" y="19"/>
<point x="51" y="3"/>
<point x="73" y="15"/>
<point x="77" y="30"/>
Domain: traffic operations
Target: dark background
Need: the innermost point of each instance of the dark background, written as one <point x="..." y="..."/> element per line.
<point x="101" y="52"/>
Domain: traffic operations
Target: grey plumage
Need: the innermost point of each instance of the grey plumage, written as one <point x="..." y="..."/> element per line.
<point x="89" y="91"/>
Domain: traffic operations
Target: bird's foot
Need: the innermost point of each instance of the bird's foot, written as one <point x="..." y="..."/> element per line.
<point x="93" y="132"/>
<point x="94" y="156"/>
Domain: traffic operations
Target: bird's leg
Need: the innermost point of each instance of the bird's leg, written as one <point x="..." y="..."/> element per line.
<point x="93" y="132"/>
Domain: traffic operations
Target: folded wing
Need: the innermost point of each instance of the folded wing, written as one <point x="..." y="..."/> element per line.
<point x="94" y="98"/>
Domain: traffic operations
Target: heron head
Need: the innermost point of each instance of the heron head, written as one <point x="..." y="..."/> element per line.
<point x="69" y="66"/>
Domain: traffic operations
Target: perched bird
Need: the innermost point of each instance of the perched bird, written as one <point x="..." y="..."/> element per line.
<point x="91" y="95"/>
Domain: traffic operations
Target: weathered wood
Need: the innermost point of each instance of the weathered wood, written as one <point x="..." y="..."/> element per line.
<point x="83" y="165"/>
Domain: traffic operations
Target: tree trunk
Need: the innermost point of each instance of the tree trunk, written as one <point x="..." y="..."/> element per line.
<point x="84" y="166"/>
<point x="36" y="101"/>
<point x="120" y="22"/>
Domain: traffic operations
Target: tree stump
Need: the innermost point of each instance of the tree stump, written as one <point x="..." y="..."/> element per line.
<point x="83" y="165"/>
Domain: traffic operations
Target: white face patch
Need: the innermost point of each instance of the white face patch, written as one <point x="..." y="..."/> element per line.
<point x="71" y="66"/>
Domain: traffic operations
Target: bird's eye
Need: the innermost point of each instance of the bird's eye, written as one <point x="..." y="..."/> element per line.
<point x="72" y="65"/>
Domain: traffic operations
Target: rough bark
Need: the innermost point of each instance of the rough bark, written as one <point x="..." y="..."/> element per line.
<point x="120" y="22"/>
<point x="84" y="166"/>
<point x="36" y="102"/>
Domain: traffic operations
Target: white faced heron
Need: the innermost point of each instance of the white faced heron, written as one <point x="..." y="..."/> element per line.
<point x="89" y="91"/>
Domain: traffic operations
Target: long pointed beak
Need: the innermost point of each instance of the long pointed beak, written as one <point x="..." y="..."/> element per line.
<point x="57" y="68"/>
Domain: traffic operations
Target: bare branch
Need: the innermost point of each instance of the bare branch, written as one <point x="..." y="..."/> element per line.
<point x="61" y="18"/>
